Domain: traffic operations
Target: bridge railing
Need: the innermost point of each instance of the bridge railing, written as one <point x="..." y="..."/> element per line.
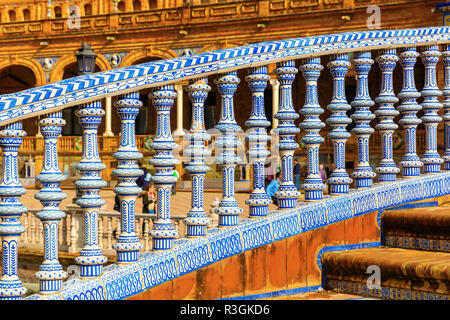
<point x="395" y="46"/>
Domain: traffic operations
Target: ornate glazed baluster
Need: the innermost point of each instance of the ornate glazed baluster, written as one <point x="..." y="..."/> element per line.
<point x="431" y="105"/>
<point x="228" y="209"/>
<point x="259" y="200"/>
<point x="91" y="259"/>
<point x="410" y="163"/>
<point x="127" y="245"/>
<point x="313" y="184"/>
<point x="287" y="193"/>
<point x="51" y="273"/>
<point x="446" y="104"/>
<point x="363" y="173"/>
<point x="163" y="232"/>
<point x="339" y="180"/>
<point x="197" y="221"/>
<point x="10" y="211"/>
<point x="387" y="169"/>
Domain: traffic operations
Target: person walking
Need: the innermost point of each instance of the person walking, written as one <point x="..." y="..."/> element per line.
<point x="297" y="173"/>
<point x="272" y="187"/>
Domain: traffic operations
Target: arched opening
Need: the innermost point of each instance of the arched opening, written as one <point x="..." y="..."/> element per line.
<point x="12" y="15"/>
<point x="152" y="4"/>
<point x="16" y="78"/>
<point x="121" y="6"/>
<point x="87" y="10"/>
<point x="137" y="5"/>
<point x="26" y="14"/>
<point x="72" y="127"/>
<point x="58" y="12"/>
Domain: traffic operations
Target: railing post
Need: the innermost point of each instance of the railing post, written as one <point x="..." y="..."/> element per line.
<point x="339" y="180"/>
<point x="431" y="105"/>
<point x="411" y="162"/>
<point x="163" y="232"/>
<point x="51" y="273"/>
<point x="313" y="184"/>
<point x="91" y="259"/>
<point x="387" y="169"/>
<point x="228" y="209"/>
<point x="259" y="200"/>
<point x="363" y="173"/>
<point x="10" y="211"/>
<point x="446" y="104"/>
<point x="127" y="246"/>
<point x="287" y="193"/>
<point x="197" y="220"/>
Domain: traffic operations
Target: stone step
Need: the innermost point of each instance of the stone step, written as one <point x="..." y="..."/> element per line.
<point x="404" y="273"/>
<point x="420" y="228"/>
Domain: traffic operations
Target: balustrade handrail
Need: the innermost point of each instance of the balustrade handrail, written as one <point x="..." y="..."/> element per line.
<point x="91" y="87"/>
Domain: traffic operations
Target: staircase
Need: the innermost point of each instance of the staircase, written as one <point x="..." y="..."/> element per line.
<point x="414" y="261"/>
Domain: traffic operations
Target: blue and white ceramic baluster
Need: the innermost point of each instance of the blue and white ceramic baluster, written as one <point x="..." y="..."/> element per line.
<point x="228" y="209"/>
<point x="287" y="194"/>
<point x="387" y="169"/>
<point x="258" y="200"/>
<point x="91" y="259"/>
<point x="197" y="221"/>
<point x="10" y="211"/>
<point x="446" y="104"/>
<point x="363" y="173"/>
<point x="410" y="163"/>
<point x="313" y="184"/>
<point x="431" y="105"/>
<point x="127" y="246"/>
<point x="339" y="180"/>
<point x="163" y="232"/>
<point x="51" y="273"/>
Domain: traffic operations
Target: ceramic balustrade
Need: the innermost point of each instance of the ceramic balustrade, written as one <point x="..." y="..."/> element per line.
<point x="93" y="234"/>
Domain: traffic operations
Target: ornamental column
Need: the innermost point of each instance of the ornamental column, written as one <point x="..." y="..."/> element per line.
<point x="11" y="209"/>
<point x="127" y="245"/>
<point x="410" y="163"/>
<point x="363" y="173"/>
<point x="446" y="104"/>
<point x="197" y="221"/>
<point x="257" y="139"/>
<point x="179" y="131"/>
<point x="108" y="132"/>
<point x="431" y="105"/>
<point x="163" y="233"/>
<point x="228" y="209"/>
<point x="275" y="101"/>
<point x="51" y="273"/>
<point x="313" y="184"/>
<point x="339" y="180"/>
<point x="287" y="193"/>
<point x="387" y="169"/>
<point x="91" y="259"/>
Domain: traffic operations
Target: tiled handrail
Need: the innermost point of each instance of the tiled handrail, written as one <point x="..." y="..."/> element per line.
<point x="92" y="87"/>
<point x="120" y="282"/>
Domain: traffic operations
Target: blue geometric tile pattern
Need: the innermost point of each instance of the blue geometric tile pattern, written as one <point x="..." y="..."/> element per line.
<point x="95" y="86"/>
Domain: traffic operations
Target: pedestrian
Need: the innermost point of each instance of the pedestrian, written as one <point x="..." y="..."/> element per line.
<point x="297" y="173"/>
<point x="272" y="187"/>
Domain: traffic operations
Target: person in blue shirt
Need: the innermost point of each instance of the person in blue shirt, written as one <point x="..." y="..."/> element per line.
<point x="272" y="187"/>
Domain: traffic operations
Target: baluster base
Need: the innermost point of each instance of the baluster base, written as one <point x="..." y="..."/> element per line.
<point x="196" y="231"/>
<point x="386" y="176"/>
<point x="127" y="249"/>
<point x="287" y="196"/>
<point x="91" y="264"/>
<point x="313" y="195"/>
<point x="447" y="163"/>
<point x="11" y="290"/>
<point x="410" y="172"/>
<point x="338" y="189"/>
<point x="431" y="167"/>
<point x="196" y="224"/>
<point x="313" y="189"/>
<point x="228" y="220"/>
<point x="50" y="278"/>
<point x="161" y="244"/>
<point x="258" y="211"/>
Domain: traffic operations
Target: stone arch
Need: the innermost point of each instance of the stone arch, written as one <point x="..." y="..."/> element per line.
<point x="218" y="46"/>
<point x="134" y="56"/>
<point x="58" y="69"/>
<point x="32" y="64"/>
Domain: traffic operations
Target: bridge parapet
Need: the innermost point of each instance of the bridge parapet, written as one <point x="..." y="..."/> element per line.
<point x="135" y="272"/>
